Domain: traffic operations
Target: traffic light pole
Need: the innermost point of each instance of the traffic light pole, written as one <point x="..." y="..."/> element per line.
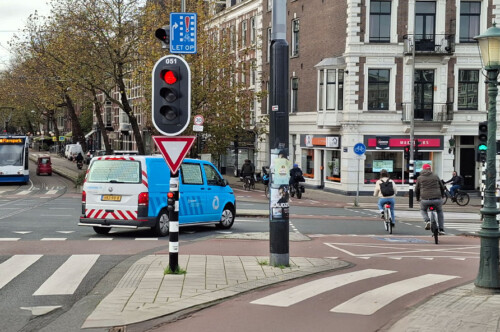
<point x="278" y="139"/>
<point x="173" y="223"/>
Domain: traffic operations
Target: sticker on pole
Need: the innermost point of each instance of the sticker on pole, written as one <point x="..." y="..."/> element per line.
<point x="174" y="149"/>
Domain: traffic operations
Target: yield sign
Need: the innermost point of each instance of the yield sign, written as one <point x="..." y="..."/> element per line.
<point x="174" y="149"/>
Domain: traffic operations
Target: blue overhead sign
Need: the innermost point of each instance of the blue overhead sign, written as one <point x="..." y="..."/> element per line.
<point x="183" y="33"/>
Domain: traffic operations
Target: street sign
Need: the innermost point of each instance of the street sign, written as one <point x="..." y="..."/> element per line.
<point x="359" y="149"/>
<point x="183" y="33"/>
<point x="61" y="138"/>
<point x="174" y="149"/>
<point x="199" y="120"/>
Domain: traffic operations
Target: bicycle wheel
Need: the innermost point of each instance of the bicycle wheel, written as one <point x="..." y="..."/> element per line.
<point x="390" y="225"/>
<point x="434" y="227"/>
<point x="462" y="198"/>
<point x="387" y="219"/>
<point x="445" y="199"/>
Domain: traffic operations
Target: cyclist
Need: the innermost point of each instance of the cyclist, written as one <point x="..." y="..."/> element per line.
<point x="456" y="184"/>
<point x="430" y="191"/>
<point x="386" y="190"/>
<point x="296" y="175"/>
<point x="248" y="169"/>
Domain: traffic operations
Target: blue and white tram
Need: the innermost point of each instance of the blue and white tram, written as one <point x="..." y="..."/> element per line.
<point x="14" y="159"/>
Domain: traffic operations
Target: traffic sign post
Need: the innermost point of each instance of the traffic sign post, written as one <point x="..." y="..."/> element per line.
<point x="173" y="149"/>
<point x="359" y="149"/>
<point x="183" y="36"/>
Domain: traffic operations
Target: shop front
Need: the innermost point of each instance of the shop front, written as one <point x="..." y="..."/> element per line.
<point x="321" y="159"/>
<point x="388" y="152"/>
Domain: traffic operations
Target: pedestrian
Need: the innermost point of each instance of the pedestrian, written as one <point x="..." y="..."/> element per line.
<point x="430" y="191"/>
<point x="386" y="190"/>
<point x="456" y="184"/>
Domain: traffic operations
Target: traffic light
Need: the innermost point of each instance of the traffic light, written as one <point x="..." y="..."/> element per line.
<point x="416" y="144"/>
<point x="407" y="152"/>
<point x="171" y="95"/>
<point x="482" y="147"/>
<point x="163" y="34"/>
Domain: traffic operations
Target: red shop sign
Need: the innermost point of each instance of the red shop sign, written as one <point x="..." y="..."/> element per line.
<point x="402" y="142"/>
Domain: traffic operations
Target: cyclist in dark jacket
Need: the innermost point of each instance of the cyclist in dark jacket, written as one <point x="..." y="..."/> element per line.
<point x="248" y="169"/>
<point x="456" y="184"/>
<point x="430" y="191"/>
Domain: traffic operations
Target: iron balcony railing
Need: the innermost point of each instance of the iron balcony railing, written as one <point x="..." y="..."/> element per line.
<point x="436" y="112"/>
<point x="429" y="44"/>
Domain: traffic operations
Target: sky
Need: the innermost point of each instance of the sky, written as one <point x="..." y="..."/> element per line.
<point x="13" y="18"/>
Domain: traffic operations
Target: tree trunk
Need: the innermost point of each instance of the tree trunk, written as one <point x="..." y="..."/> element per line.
<point x="100" y="122"/>
<point x="77" y="129"/>
<point x="133" y="120"/>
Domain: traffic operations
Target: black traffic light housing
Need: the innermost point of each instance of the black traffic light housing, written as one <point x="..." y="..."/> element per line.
<point x="171" y="105"/>
<point x="416" y="145"/>
<point x="407" y="152"/>
<point x="482" y="146"/>
<point x="163" y="34"/>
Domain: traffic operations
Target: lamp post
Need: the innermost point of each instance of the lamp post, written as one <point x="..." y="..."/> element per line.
<point x="489" y="45"/>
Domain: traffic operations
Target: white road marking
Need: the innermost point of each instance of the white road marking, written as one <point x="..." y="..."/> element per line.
<point x="6" y="239"/>
<point x="145" y="238"/>
<point x="100" y="239"/>
<point x="24" y="192"/>
<point x="22" y="232"/>
<point x="305" y="291"/>
<point x="41" y="310"/>
<point x="371" y="301"/>
<point x="12" y="267"/>
<point x="66" y="279"/>
<point x="51" y="192"/>
<point x="53" y="239"/>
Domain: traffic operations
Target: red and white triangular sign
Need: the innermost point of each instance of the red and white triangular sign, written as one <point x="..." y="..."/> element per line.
<point x="174" y="149"/>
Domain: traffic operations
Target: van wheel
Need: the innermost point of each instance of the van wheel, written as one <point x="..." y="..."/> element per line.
<point x="227" y="218"/>
<point x="161" y="226"/>
<point x="102" y="230"/>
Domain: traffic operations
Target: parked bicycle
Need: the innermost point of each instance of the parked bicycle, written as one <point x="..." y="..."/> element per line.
<point x="461" y="197"/>
<point x="388" y="217"/>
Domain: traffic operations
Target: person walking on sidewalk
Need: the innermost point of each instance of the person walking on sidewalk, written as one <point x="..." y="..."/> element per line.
<point x="430" y="191"/>
<point x="386" y="190"/>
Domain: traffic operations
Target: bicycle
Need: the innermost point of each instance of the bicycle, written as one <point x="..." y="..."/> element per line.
<point x="388" y="217"/>
<point x="434" y="223"/>
<point x="461" y="197"/>
<point x="248" y="184"/>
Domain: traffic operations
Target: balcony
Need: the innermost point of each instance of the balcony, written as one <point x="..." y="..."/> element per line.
<point x="438" y="113"/>
<point x="429" y="44"/>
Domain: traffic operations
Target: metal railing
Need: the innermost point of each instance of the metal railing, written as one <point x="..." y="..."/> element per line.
<point x="436" y="112"/>
<point x="429" y="44"/>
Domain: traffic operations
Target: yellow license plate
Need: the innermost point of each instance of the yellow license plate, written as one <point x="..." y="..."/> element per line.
<point x="116" y="198"/>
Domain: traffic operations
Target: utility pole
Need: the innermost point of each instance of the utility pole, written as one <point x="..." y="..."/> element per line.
<point x="278" y="139"/>
<point x="411" y="166"/>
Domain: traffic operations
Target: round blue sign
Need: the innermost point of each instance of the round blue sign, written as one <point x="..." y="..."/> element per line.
<point x="359" y="149"/>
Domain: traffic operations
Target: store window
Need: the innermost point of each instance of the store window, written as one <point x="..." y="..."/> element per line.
<point x="333" y="165"/>
<point x="308" y="163"/>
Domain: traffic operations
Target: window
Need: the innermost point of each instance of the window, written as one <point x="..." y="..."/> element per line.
<point x="243" y="73"/>
<point x="108" y="111"/>
<point x="213" y="177"/>
<point x="468" y="81"/>
<point x="191" y="174"/>
<point x="470" y="12"/>
<point x="330" y="89"/>
<point x="380" y="21"/>
<point x="333" y="90"/>
<point x="253" y="73"/>
<point x="252" y="30"/>
<point x="333" y="164"/>
<point x="269" y="5"/>
<point x="244" y="33"/>
<point x="233" y="38"/>
<point x="378" y="89"/>
<point x="340" y="103"/>
<point x="294" y="94"/>
<point x="295" y="37"/>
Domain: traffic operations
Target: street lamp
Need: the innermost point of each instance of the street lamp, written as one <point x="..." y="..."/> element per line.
<point x="489" y="45"/>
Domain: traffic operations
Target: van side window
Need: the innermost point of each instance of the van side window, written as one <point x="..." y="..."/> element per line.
<point x="213" y="178"/>
<point x="191" y="174"/>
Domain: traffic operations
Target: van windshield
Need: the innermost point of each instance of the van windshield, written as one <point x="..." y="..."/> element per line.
<point x="115" y="171"/>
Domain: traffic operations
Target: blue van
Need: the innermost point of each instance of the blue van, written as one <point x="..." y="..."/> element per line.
<point x="131" y="192"/>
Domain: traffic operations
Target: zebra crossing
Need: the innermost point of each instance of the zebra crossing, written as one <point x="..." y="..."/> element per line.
<point x="54" y="190"/>
<point x="366" y="303"/>
<point x="63" y="281"/>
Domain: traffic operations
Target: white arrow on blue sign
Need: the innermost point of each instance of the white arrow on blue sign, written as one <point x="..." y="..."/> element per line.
<point x="359" y="149"/>
<point x="183" y="33"/>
